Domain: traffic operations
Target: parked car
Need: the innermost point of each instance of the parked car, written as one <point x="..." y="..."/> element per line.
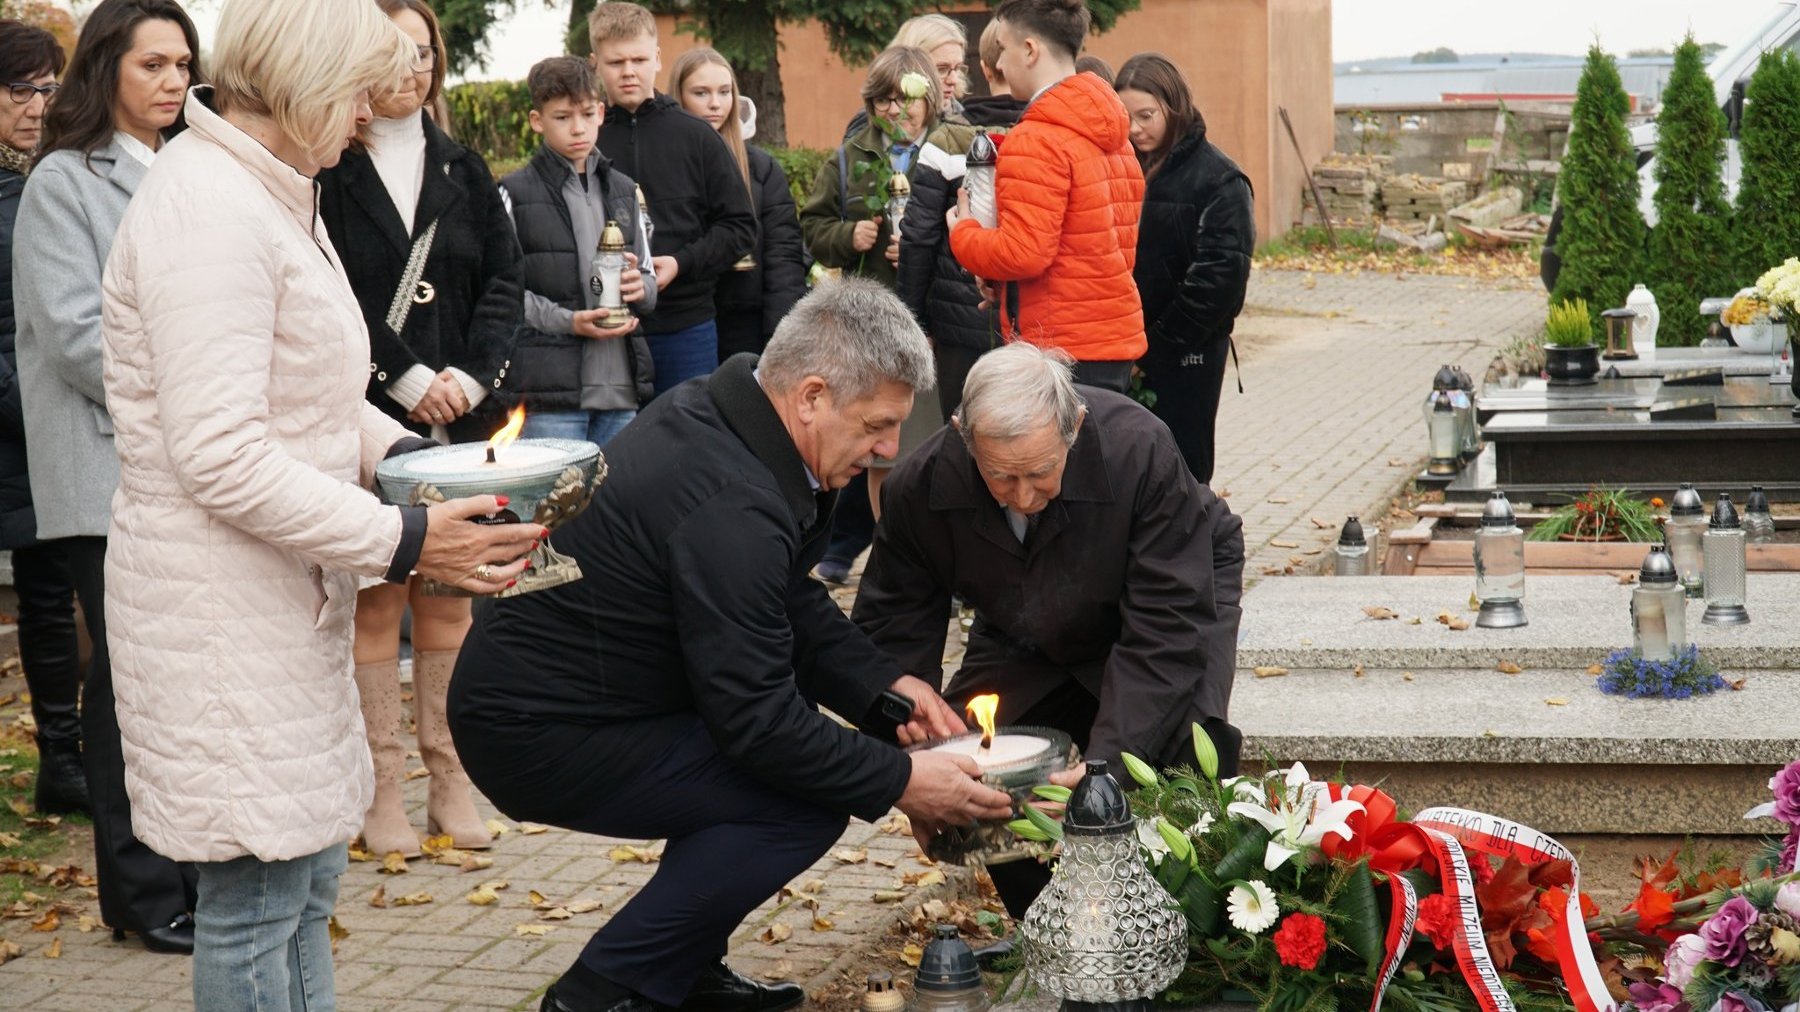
<point x="1730" y="72"/>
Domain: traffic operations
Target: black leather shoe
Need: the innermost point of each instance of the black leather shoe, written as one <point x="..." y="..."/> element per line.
<point x="722" y="989"/>
<point x="629" y="1003"/>
<point x="61" y="782"/>
<point x="175" y="937"/>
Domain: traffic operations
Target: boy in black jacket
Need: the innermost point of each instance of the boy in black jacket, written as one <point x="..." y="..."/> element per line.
<point x="582" y="379"/>
<point x="702" y="222"/>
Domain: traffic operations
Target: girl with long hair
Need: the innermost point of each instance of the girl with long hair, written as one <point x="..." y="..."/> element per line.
<point x="753" y="298"/>
<point x="1195" y="238"/>
<point x="120" y="100"/>
<point x="410" y="192"/>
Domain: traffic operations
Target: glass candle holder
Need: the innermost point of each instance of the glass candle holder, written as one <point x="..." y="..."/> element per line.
<point x="1499" y="566"/>
<point x="1658" y="609"/>
<point x="1352" y="549"/>
<point x="1759" y="526"/>
<point x="1725" y="567"/>
<point x="1687" y="522"/>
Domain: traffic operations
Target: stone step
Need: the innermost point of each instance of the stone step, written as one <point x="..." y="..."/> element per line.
<point x="1320" y="622"/>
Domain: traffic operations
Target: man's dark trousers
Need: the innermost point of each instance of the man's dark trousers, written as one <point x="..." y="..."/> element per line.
<point x="732" y="843"/>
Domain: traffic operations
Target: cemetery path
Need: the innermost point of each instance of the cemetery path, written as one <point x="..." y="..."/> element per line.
<point x="1334" y="369"/>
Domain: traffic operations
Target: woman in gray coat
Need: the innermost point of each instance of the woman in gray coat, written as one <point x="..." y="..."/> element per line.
<point x="121" y="97"/>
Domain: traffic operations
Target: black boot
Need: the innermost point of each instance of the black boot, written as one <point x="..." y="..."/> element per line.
<point x="722" y="989"/>
<point x="61" y="782"/>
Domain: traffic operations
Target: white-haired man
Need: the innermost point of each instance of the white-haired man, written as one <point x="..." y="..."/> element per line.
<point x="672" y="692"/>
<point x="1105" y="579"/>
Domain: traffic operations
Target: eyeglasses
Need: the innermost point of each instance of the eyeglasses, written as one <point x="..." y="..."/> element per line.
<point x="897" y="101"/>
<point x="426" y="59"/>
<point x="23" y="92"/>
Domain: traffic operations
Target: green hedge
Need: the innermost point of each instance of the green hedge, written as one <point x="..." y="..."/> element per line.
<point x="801" y="165"/>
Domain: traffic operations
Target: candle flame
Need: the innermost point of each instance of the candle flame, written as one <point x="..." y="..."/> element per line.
<point x="982" y="709"/>
<point x="509" y="433"/>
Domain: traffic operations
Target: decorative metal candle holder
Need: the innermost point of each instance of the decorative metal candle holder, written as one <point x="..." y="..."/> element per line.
<point x="1104" y="934"/>
<point x="547" y="481"/>
<point x="1725" y="567"/>
<point x="986" y="843"/>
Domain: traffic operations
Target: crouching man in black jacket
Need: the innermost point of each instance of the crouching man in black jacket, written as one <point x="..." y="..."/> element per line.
<point x="673" y="692"/>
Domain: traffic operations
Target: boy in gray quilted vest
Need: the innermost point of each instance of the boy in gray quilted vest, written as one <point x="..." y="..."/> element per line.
<point x="578" y="378"/>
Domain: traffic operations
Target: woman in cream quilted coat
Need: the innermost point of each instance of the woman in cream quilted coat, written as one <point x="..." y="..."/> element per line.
<point x="235" y="362"/>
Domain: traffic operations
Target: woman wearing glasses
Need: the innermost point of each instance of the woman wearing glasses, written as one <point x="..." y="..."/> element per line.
<point x="441" y="339"/>
<point x="122" y="97"/>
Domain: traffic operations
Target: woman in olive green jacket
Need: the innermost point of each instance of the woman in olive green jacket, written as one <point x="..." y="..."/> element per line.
<point x="844" y="221"/>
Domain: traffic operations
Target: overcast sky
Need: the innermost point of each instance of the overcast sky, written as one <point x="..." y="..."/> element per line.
<point x="1361" y="29"/>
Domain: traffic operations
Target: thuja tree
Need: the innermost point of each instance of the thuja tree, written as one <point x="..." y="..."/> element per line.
<point x="1602" y="240"/>
<point x="1766" y="226"/>
<point x="1689" y="255"/>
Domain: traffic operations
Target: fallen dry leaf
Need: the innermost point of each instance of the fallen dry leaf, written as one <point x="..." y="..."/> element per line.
<point x="532" y="828"/>
<point x="497" y="829"/>
<point x="1737" y="684"/>
<point x="583" y="906"/>
<point x="20" y="806"/>
<point x="1396" y="461"/>
<point x="1508" y="668"/>
<point x="1358" y="670"/>
<point x="475" y="862"/>
<point x="896" y="824"/>
<point x="537" y="899"/>
<point x="379" y="898"/>
<point x="1455" y="622"/>
<point x="1323" y="525"/>
<point x="1281" y="543"/>
<point x="822" y="924"/>
<point x="626" y="855"/>
<point x="1379" y="613"/>
<point x="911" y="954"/>
<point x="1406" y="675"/>
<point x="1596" y="669"/>
<point x="89" y="924"/>
<point x="1415" y="620"/>
<point x="413" y="900"/>
<point x="555" y="914"/>
<point x="9" y="840"/>
<point x="1269" y="672"/>
<point x="432" y="846"/>
<point x="775" y="934"/>
<point x="417" y="773"/>
<point x="888" y="896"/>
<point x="923" y="879"/>
<point x="483" y="897"/>
<point x="49" y="922"/>
<point x="337" y="931"/>
<point x="359" y="854"/>
<point x="9" y="951"/>
<point x="532" y="930"/>
<point x="1627" y="579"/>
<point x="846" y="855"/>
<point x="1556" y="701"/>
<point x="782" y="970"/>
<point x="394" y="863"/>
<point x="884" y="862"/>
<point x="1279" y="500"/>
<point x="55" y="949"/>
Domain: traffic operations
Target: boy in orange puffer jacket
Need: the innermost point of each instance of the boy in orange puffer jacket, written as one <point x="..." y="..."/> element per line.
<point x="1069" y="191"/>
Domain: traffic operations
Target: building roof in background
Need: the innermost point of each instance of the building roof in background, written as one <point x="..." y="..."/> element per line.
<point x="1399" y="81"/>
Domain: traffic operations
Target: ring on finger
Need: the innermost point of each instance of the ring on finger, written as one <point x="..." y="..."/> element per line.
<point x="484" y="572"/>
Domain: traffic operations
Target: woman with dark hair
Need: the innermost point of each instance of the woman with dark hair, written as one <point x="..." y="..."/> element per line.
<point x="1195" y="238"/>
<point x="759" y="291"/>
<point x="119" y="101"/>
<point x="435" y="366"/>
<point x="30" y="60"/>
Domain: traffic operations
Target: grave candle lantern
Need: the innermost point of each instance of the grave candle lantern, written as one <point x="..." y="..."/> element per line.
<point x="1725" y="567"/>
<point x="1500" y="566"/>
<point x="609" y="268"/>
<point x="1658" y="608"/>
<point x="1759" y="526"/>
<point x="1104" y="934"/>
<point x="1687" y="521"/>
<point x="1464" y="402"/>
<point x="1446" y="440"/>
<point x="547" y="481"/>
<point x="899" y="193"/>
<point x="1620" y="324"/>
<point x="949" y="978"/>
<point x="983" y="159"/>
<point x="1352" y="549"/>
<point x="1012" y="759"/>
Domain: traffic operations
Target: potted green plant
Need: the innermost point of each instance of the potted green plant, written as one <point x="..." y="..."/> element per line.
<point x="1571" y="358"/>
<point x="1601" y="514"/>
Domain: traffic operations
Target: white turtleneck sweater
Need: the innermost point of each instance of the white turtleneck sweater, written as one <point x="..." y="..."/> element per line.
<point x="397" y="149"/>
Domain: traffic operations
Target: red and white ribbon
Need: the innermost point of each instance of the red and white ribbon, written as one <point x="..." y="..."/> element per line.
<point x="1453" y="829"/>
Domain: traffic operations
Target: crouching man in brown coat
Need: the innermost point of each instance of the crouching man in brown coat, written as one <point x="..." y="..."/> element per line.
<point x="1105" y="580"/>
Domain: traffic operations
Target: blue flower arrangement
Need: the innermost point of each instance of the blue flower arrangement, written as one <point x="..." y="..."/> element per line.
<point x="1624" y="673"/>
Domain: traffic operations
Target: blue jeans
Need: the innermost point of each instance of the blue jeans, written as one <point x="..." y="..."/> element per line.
<point x="597" y="427"/>
<point x="684" y="354"/>
<point x="261" y="941"/>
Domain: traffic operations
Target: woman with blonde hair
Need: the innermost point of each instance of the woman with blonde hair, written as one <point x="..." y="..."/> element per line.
<point x="946" y="47"/>
<point x="234" y="353"/>
<point x="754" y="297"/>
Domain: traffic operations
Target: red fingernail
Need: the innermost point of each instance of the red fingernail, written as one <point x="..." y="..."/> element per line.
<point x="502" y="500"/>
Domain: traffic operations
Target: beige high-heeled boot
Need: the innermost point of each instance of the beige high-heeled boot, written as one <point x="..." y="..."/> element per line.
<point x="385" y="828"/>
<point x="449" y="807"/>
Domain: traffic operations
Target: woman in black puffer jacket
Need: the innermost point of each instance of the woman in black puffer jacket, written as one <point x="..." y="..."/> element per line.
<point x="1195" y="239"/>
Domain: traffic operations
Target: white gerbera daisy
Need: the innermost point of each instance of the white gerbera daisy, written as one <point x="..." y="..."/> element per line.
<point x="1251" y="908"/>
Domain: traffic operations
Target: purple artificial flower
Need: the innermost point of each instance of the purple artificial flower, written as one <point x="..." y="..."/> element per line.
<point x="1787" y="898"/>
<point x="1736" y="1001"/>
<point x="1790" y="854"/>
<point x="1684" y="956"/>
<point x="1723" y="933"/>
<point x="1786" y="785"/>
<point x="1658" y="998"/>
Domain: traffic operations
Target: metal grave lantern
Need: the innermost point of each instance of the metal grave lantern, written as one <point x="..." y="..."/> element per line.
<point x="609" y="270"/>
<point x="1104" y="934"/>
<point x="1759" y="526"/>
<point x="1725" y="567"/>
<point x="1464" y="403"/>
<point x="982" y="160"/>
<point x="1442" y="425"/>
<point x="1658" y="608"/>
<point x="949" y="978"/>
<point x="1500" y="566"/>
<point x="899" y="194"/>
<point x="1687" y="521"/>
<point x="1621" y="333"/>
<point x="1352" y="549"/>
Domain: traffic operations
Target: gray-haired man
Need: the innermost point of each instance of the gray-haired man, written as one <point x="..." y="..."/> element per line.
<point x="1105" y="579"/>
<point x="673" y="691"/>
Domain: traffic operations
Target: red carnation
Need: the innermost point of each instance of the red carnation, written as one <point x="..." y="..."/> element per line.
<point x="1300" y="941"/>
<point x="1438" y="918"/>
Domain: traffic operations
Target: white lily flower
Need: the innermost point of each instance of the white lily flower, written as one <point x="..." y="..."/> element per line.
<point x="1301" y="815"/>
<point x="1150" y="839"/>
<point x="1251" y="908"/>
<point x="1197" y="831"/>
